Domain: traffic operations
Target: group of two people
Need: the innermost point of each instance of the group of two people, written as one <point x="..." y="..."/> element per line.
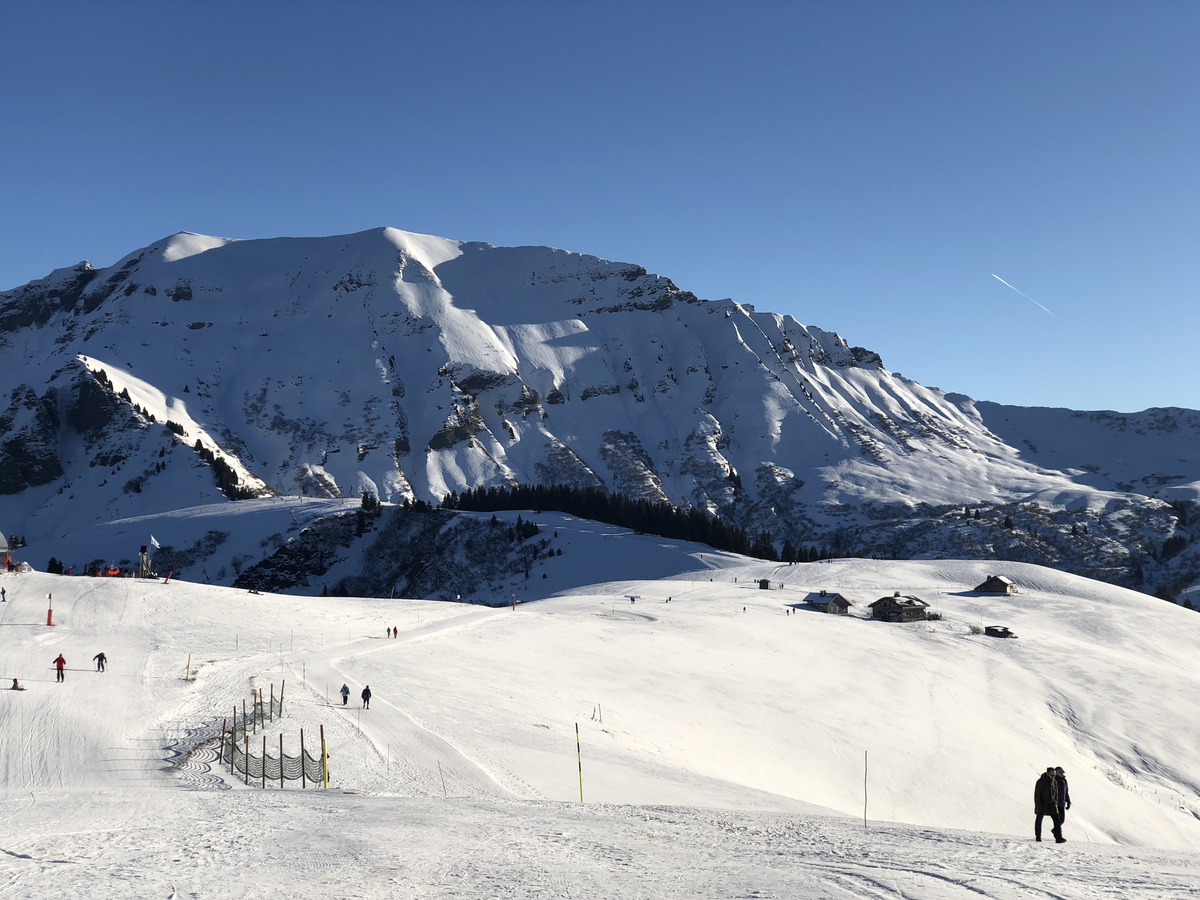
<point x="1052" y="798"/>
<point x="60" y="664"/>
<point x="366" y="695"/>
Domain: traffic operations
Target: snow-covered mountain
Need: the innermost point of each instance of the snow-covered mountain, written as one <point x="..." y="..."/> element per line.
<point x="410" y="366"/>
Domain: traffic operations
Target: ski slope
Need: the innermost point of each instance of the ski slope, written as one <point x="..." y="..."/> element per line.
<point x="725" y="736"/>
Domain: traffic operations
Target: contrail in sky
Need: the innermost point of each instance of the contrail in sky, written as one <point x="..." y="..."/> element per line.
<point x="1022" y="293"/>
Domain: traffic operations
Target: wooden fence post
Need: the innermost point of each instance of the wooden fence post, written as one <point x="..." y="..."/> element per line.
<point x="271" y="710"/>
<point x="281" y="760"/>
<point x="246" y="760"/>
<point x="303" y="781"/>
<point x="324" y="760"/>
<point x="264" y="767"/>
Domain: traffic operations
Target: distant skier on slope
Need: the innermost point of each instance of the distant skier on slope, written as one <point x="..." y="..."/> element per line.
<point x="60" y="664"/>
<point x="101" y="661"/>
<point x="345" y="692"/>
<point x="366" y="695"/>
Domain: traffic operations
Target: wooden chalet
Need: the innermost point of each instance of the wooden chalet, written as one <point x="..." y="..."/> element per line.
<point x="997" y="584"/>
<point x="1000" y="631"/>
<point x="834" y="604"/>
<point x="899" y="609"/>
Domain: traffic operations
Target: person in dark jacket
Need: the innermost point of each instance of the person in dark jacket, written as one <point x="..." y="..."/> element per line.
<point x="345" y="692"/>
<point x="366" y="695"/>
<point x="1045" y="803"/>
<point x="101" y="661"/>
<point x="1064" y="795"/>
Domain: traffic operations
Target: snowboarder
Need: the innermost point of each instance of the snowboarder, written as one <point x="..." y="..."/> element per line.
<point x="366" y="695"/>
<point x="60" y="664"/>
<point x="101" y="661"/>
<point x="1064" y="795"/>
<point x="16" y="686"/>
<point x="1045" y="803"/>
<point x="345" y="694"/>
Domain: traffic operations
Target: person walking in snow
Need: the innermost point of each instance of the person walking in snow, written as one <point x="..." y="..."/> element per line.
<point x="1045" y="803"/>
<point x="366" y="695"/>
<point x="60" y="664"/>
<point x="345" y="692"/>
<point x="395" y="631"/>
<point x="389" y="631"/>
<point x="101" y="661"/>
<point x="1064" y="795"/>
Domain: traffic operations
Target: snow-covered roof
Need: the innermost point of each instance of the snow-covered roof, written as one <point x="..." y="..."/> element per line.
<point x="901" y="601"/>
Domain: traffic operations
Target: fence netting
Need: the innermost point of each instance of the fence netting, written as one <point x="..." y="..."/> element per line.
<point x="256" y="716"/>
<point x="285" y="766"/>
<point x="239" y="739"/>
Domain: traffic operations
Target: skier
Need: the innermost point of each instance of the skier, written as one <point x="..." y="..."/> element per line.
<point x="3" y="595"/>
<point x="389" y="631"/>
<point x="60" y="664"/>
<point x="16" y="686"/>
<point x="1045" y="803"/>
<point x="366" y="695"/>
<point x="101" y="661"/>
<point x="345" y="694"/>
<point x="395" y="631"/>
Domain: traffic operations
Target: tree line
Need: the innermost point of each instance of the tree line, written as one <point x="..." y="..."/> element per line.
<point x="646" y="516"/>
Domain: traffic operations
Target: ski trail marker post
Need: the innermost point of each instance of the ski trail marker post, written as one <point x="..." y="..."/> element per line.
<point x="579" y="755"/>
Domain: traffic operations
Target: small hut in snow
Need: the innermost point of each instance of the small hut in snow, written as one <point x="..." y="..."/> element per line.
<point x="834" y="604"/>
<point x="899" y="609"/>
<point x="997" y="584"/>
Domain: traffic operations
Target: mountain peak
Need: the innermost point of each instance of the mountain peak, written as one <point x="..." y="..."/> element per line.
<point x="183" y="244"/>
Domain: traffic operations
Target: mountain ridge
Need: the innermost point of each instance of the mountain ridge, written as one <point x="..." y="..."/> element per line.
<point x="408" y="366"/>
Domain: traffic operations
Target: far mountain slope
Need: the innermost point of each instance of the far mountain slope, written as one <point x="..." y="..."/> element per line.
<point x="409" y="366"/>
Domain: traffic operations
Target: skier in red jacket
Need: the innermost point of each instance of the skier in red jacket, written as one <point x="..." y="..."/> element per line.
<point x="59" y="664"/>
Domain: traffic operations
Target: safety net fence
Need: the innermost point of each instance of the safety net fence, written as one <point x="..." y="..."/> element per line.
<point x="238" y="747"/>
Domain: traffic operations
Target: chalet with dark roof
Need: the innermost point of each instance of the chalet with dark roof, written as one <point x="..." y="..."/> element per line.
<point x="997" y="584"/>
<point x="899" y="609"/>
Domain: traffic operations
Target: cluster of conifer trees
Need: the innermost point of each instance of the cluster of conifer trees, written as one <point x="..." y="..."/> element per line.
<point x="227" y="479"/>
<point x="641" y="515"/>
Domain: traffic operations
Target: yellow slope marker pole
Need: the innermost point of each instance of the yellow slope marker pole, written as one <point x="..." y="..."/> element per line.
<point x="324" y="760"/>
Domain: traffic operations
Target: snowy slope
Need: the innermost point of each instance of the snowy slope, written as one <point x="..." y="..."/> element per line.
<point x="724" y="735"/>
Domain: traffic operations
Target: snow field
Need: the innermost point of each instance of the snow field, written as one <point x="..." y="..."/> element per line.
<point x="722" y="750"/>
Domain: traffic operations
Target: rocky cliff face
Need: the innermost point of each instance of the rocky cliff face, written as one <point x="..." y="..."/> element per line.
<point x="409" y="366"/>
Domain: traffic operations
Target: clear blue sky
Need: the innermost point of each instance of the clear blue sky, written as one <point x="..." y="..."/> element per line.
<point x="866" y="167"/>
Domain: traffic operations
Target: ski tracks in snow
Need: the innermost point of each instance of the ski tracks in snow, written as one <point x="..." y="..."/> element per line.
<point x="417" y="761"/>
